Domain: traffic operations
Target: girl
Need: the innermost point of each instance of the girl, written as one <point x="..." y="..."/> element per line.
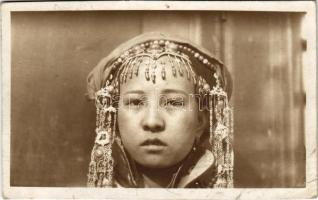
<point x="163" y="118"/>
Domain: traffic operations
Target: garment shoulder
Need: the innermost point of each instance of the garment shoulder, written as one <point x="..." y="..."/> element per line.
<point x="202" y="174"/>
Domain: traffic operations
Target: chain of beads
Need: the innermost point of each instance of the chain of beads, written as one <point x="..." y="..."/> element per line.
<point x="128" y="63"/>
<point x="102" y="164"/>
<point x="221" y="134"/>
<point x="166" y="44"/>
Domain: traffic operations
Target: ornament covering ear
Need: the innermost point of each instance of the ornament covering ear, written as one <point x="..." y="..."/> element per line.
<point x="101" y="165"/>
<point x="209" y="75"/>
<point x="221" y="135"/>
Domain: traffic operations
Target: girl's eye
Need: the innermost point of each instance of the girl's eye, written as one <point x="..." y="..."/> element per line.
<point x="134" y="102"/>
<point x="174" y="103"/>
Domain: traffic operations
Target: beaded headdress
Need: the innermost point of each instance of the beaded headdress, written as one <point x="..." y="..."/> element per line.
<point x="182" y="58"/>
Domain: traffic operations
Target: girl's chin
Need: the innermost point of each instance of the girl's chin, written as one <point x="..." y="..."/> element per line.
<point x="155" y="163"/>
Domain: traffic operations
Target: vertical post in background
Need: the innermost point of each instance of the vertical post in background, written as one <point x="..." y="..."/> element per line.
<point x="195" y="28"/>
<point x="278" y="68"/>
<point x="226" y="30"/>
<point x="174" y="23"/>
<point x="211" y="33"/>
<point x="287" y="121"/>
<point x="297" y="144"/>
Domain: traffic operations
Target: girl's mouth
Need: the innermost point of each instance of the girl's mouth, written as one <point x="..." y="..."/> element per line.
<point x="153" y="145"/>
<point x="153" y="142"/>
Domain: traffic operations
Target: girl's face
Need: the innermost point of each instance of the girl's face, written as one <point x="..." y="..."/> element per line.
<point x="158" y="122"/>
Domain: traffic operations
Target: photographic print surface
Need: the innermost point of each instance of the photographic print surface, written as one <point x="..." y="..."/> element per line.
<point x="54" y="132"/>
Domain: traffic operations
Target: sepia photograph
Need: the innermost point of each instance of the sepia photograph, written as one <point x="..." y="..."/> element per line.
<point x="159" y="100"/>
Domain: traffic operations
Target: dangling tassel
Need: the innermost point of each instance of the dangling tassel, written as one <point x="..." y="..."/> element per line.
<point x="101" y="165"/>
<point x="229" y="155"/>
<point x="221" y="135"/>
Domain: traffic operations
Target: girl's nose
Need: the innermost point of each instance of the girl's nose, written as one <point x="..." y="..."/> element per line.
<point x="152" y="120"/>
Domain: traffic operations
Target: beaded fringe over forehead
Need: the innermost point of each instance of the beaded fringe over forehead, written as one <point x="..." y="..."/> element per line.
<point x="203" y="62"/>
<point x="150" y="54"/>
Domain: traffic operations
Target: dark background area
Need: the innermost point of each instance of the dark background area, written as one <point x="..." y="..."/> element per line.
<point x="52" y="123"/>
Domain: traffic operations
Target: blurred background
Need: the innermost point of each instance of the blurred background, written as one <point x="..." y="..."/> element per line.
<point x="52" y="123"/>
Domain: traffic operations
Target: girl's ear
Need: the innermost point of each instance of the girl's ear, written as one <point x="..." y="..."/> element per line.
<point x="203" y="122"/>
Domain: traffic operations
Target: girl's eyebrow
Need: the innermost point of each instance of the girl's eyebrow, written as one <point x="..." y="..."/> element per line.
<point x="134" y="92"/>
<point x="167" y="91"/>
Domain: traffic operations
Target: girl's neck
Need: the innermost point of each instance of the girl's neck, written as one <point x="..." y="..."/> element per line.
<point x="157" y="178"/>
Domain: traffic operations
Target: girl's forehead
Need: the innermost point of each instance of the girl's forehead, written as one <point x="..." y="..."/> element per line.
<point x="173" y="81"/>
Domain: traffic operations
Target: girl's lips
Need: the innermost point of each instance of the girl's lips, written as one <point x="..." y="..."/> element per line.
<point x="153" y="148"/>
<point x="153" y="143"/>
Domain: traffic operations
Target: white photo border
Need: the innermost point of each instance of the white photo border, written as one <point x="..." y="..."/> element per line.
<point x="309" y="71"/>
